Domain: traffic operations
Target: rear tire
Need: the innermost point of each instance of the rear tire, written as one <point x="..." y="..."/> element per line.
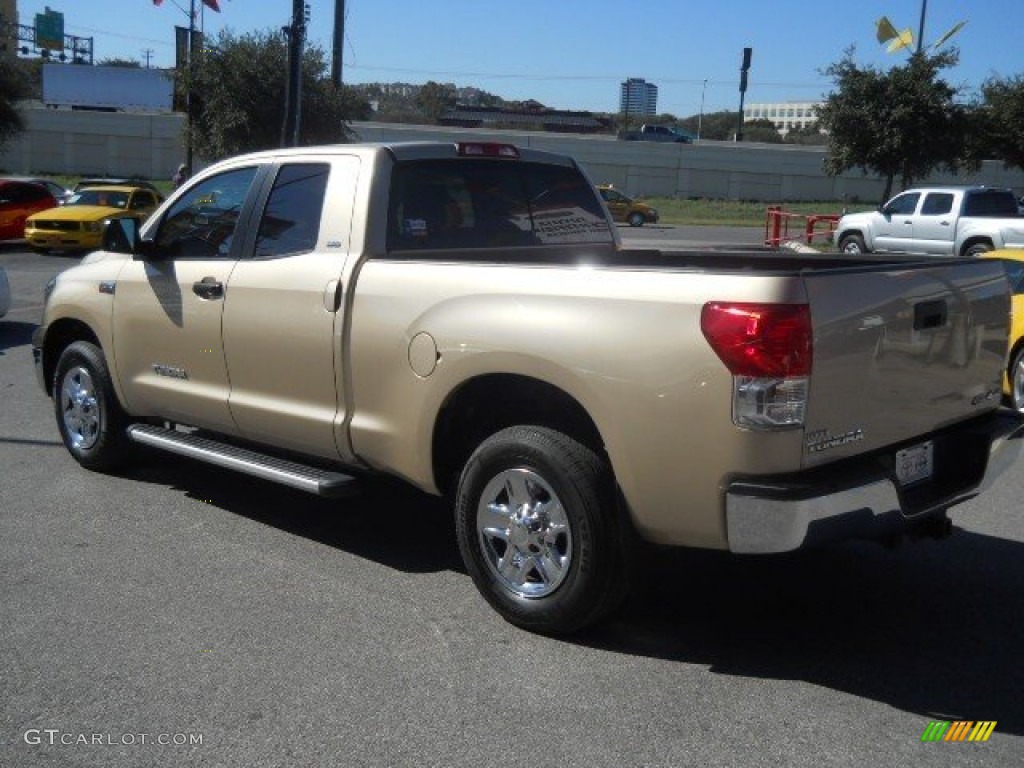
<point x="977" y="249"/>
<point x="540" y="531"/>
<point x="636" y="219"/>
<point x="89" y="417"/>
<point x="852" y="245"/>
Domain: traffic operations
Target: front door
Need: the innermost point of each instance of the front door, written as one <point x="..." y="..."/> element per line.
<point x="168" y="313"/>
<point x="894" y="230"/>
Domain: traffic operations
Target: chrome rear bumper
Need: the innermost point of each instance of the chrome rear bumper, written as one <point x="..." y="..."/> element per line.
<point x="861" y="499"/>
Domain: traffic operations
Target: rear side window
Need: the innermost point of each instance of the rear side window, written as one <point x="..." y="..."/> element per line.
<point x="937" y="203"/>
<point x="990" y="202"/>
<point x="457" y="204"/>
<point x="291" y="221"/>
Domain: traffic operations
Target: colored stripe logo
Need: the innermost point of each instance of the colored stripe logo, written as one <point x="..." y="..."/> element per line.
<point x="959" y="730"/>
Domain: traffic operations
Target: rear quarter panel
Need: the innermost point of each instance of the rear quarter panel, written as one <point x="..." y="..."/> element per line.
<point x="626" y="344"/>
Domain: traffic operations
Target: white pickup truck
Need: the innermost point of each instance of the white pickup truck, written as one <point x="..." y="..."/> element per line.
<point x="462" y="316"/>
<point x="939" y="221"/>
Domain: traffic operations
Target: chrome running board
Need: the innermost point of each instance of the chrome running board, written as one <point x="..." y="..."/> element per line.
<point x="314" y="480"/>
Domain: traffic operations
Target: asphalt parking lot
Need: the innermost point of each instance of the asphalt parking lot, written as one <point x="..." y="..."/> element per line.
<point x="179" y="614"/>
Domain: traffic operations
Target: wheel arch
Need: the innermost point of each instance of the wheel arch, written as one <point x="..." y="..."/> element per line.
<point x="59" y="336"/>
<point x="487" y="403"/>
<point x="976" y="240"/>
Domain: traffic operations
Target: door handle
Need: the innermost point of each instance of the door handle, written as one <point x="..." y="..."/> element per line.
<point x="208" y="288"/>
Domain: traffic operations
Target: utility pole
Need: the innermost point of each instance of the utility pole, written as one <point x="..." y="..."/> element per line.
<point x="189" y="106"/>
<point x="920" y="29"/>
<point x="293" y="92"/>
<point x="744" y="67"/>
<point x="700" y="117"/>
<point x="148" y="53"/>
<point x="339" y="42"/>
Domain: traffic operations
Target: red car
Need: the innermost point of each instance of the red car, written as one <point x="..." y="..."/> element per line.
<point x="18" y="201"/>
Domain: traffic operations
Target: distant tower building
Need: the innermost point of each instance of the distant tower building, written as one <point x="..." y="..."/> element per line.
<point x="638" y="97"/>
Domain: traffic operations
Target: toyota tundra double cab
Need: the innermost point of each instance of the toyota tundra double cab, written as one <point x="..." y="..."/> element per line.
<point x="463" y="317"/>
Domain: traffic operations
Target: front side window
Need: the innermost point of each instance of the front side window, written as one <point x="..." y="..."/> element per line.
<point x="291" y="221"/>
<point x="904" y="204"/>
<point x="201" y="223"/>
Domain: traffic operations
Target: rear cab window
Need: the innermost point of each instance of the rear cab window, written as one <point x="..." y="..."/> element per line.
<point x="479" y="203"/>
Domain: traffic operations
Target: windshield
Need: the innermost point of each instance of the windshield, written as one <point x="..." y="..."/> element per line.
<point x="108" y="198"/>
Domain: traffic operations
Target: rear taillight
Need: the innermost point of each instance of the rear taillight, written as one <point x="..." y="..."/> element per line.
<point x="487" y="149"/>
<point x="767" y="348"/>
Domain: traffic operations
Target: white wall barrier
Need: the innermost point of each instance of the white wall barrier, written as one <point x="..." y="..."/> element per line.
<point x="150" y="145"/>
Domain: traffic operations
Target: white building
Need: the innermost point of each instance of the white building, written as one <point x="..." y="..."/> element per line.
<point x="786" y="115"/>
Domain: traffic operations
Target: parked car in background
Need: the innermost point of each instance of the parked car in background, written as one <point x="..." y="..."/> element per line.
<point x="626" y="209"/>
<point x="5" y="293"/>
<point x="663" y="133"/>
<point x="19" y="200"/>
<point x="939" y="221"/>
<point x="98" y="181"/>
<point x="78" y="225"/>
<point x="59" y="192"/>
<point x="1013" y="379"/>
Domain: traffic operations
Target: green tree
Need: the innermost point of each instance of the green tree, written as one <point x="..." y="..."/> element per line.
<point x="434" y="99"/>
<point x="811" y="135"/>
<point x="15" y="85"/>
<point x="998" y="127"/>
<point x="238" y="88"/>
<point x="762" y="130"/>
<point x="903" y="122"/>
<point x="118" y="62"/>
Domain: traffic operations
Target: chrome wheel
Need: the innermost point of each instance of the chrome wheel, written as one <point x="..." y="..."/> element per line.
<point x="524" y="533"/>
<point x="1017" y="382"/>
<point x="80" y="408"/>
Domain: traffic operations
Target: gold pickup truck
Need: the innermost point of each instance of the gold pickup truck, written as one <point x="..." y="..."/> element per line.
<point x="463" y="316"/>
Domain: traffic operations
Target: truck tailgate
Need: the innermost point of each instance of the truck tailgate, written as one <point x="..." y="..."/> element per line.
<point x="902" y="351"/>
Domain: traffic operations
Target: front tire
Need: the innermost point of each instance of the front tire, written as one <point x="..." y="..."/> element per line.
<point x="539" y="530"/>
<point x="635" y="219"/>
<point x="89" y="417"/>
<point x="1015" y="375"/>
<point x="852" y="245"/>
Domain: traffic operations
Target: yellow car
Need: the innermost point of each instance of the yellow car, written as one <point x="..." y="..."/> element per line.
<point x="626" y="209"/>
<point x="78" y="224"/>
<point x="1013" y="379"/>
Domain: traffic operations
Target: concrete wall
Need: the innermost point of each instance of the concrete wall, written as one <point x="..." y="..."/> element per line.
<point x="80" y="143"/>
<point x="715" y="169"/>
<point x="149" y="145"/>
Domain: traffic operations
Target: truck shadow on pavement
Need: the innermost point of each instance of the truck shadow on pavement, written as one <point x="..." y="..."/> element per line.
<point x="934" y="628"/>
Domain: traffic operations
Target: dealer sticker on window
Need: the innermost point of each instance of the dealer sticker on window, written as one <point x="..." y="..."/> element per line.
<point x="915" y="463"/>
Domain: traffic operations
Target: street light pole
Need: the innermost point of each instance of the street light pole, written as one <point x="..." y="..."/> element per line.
<point x="700" y="117"/>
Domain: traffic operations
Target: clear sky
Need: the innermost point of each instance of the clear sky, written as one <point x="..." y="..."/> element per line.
<point x="572" y="54"/>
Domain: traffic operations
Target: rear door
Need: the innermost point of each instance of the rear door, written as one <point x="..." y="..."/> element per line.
<point x="283" y="315"/>
<point x="901" y="351"/>
<point x="934" y="224"/>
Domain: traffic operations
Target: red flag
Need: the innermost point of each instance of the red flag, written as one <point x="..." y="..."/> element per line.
<point x="212" y="4"/>
<point x="157" y="2"/>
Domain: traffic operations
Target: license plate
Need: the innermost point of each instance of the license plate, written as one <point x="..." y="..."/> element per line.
<point x="915" y="463"/>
